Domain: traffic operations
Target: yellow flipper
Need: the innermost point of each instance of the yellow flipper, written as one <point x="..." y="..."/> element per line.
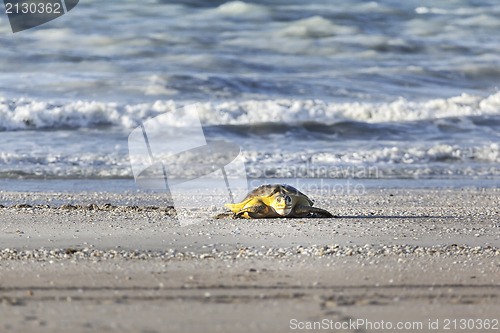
<point x="235" y="207"/>
<point x="247" y="203"/>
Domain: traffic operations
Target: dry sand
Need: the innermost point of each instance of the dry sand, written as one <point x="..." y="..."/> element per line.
<point x="392" y="256"/>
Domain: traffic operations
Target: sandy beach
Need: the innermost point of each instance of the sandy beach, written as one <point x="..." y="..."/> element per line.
<point x="417" y="258"/>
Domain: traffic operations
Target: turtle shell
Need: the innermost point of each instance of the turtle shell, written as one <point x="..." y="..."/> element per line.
<point x="269" y="189"/>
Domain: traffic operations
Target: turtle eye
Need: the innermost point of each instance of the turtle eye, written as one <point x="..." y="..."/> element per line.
<point x="288" y="199"/>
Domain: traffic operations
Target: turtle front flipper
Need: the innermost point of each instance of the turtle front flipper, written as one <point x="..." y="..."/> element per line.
<point x="255" y="211"/>
<point x="235" y="207"/>
<point x="302" y="211"/>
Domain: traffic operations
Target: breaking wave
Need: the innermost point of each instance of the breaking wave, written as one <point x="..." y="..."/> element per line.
<point x="31" y="114"/>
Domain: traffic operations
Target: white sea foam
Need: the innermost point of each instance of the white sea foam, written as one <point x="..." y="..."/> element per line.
<point x="239" y="8"/>
<point x="413" y="161"/>
<point x="23" y="113"/>
<point x="72" y="165"/>
<point x="417" y="155"/>
<point x="314" y="27"/>
<point x="401" y="110"/>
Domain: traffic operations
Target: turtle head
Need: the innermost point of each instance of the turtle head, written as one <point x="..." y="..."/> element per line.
<point x="282" y="203"/>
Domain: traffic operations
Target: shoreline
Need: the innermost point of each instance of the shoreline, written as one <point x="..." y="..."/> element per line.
<point x="128" y="185"/>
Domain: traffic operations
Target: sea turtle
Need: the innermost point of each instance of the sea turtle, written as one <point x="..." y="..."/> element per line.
<point x="276" y="201"/>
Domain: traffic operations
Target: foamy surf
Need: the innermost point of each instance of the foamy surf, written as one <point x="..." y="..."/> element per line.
<point x="338" y="163"/>
<point x="279" y="138"/>
<point x="32" y="114"/>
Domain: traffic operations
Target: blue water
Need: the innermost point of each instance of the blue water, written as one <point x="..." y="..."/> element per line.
<point x="322" y="90"/>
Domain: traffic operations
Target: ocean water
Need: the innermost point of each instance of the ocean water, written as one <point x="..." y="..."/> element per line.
<point x="333" y="90"/>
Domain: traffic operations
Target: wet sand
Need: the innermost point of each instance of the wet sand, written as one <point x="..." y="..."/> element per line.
<point x="392" y="256"/>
